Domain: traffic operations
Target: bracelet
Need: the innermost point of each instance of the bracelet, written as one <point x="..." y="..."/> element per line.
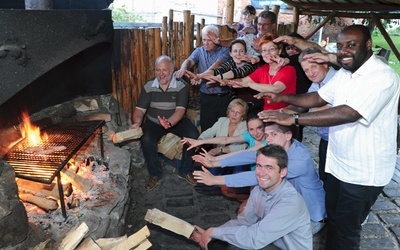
<point x="169" y="123"/>
<point x="296" y="119"/>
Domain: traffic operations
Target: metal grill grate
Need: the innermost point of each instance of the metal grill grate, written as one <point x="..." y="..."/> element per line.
<point x="45" y="167"/>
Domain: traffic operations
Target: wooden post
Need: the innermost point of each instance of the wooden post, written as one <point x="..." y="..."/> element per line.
<point x="321" y="24"/>
<point x="164" y="39"/>
<point x="149" y="40"/>
<point x="386" y="35"/>
<point x="229" y="10"/>
<point x="296" y="18"/>
<point x="157" y="43"/>
<point x="192" y="33"/>
<point x="187" y="35"/>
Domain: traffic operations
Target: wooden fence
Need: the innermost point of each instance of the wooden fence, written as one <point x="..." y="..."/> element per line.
<point x="135" y="51"/>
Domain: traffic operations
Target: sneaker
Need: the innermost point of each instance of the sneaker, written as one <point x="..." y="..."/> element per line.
<point x="189" y="178"/>
<point x="152" y="182"/>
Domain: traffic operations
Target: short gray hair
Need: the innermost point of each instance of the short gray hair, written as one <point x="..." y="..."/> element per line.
<point x="210" y="28"/>
<point x="307" y="51"/>
<point x="164" y="57"/>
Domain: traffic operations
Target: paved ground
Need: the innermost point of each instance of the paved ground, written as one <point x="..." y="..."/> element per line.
<point x="205" y="206"/>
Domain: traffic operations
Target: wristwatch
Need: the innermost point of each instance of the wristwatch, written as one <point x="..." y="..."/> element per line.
<point x="296" y="119"/>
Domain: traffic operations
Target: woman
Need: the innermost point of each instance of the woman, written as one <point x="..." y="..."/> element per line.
<point x="255" y="138"/>
<point x="270" y="77"/>
<point x="233" y="124"/>
<point x="236" y="67"/>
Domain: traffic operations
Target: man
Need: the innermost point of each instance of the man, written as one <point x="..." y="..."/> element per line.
<point x="361" y="154"/>
<point x="301" y="173"/>
<point x="319" y="74"/>
<point x="266" y="23"/>
<point x="275" y="214"/>
<point x="164" y="100"/>
<point x="214" y="99"/>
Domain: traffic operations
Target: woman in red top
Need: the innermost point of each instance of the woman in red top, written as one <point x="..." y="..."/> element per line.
<point x="270" y="77"/>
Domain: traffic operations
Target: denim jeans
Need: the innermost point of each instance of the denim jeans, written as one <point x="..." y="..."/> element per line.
<point x="152" y="132"/>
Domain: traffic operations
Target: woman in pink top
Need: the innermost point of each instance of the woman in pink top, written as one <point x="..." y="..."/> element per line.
<point x="270" y="77"/>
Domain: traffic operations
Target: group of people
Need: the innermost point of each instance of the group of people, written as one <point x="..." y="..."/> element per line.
<point x="285" y="200"/>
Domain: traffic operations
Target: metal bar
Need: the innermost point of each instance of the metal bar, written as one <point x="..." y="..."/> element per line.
<point x="61" y="194"/>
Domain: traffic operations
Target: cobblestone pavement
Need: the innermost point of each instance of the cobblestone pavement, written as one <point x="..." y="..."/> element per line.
<point x="205" y="206"/>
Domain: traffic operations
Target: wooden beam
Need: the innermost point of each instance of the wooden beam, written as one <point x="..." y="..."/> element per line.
<point x="378" y="23"/>
<point x="169" y="222"/>
<point x="349" y="14"/>
<point x="321" y="24"/>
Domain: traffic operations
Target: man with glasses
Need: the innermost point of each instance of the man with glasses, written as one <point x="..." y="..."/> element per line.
<point x="275" y="214"/>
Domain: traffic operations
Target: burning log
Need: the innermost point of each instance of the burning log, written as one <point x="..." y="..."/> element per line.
<point x="169" y="222"/>
<point x="73" y="237"/>
<point x="126" y="135"/>
<point x="44" y="203"/>
<point x="78" y="181"/>
<point x="38" y="189"/>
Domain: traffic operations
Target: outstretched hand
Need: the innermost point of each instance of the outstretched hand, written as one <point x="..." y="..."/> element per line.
<point x="276" y="116"/>
<point x="205" y="177"/>
<point x="192" y="143"/>
<point x="214" y="38"/>
<point x="317" y="58"/>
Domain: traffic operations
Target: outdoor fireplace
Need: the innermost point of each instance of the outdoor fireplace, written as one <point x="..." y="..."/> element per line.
<point x="63" y="140"/>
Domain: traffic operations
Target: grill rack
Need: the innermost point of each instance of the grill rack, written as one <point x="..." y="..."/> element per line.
<point x="45" y="168"/>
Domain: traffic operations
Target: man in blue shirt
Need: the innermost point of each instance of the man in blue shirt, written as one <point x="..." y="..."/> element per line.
<point x="275" y="214"/>
<point x="214" y="99"/>
<point x="301" y="173"/>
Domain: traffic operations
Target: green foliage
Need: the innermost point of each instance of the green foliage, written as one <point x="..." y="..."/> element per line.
<point x="378" y="39"/>
<point x="121" y="15"/>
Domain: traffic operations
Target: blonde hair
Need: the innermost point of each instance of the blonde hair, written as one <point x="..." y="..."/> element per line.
<point x="240" y="102"/>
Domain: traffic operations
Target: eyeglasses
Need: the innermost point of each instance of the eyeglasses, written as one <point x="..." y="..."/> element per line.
<point x="269" y="50"/>
<point x="233" y="112"/>
<point x="264" y="24"/>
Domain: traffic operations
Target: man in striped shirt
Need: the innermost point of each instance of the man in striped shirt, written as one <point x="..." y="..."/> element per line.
<point x="164" y="100"/>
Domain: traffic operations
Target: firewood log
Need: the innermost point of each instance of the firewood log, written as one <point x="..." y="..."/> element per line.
<point x="126" y="135"/>
<point x="78" y="181"/>
<point x="135" y="240"/>
<point x="169" y="222"/>
<point x="88" y="244"/>
<point x="46" y="204"/>
<point x="73" y="237"/>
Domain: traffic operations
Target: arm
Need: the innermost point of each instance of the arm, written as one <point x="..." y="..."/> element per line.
<point x="137" y="119"/>
<point x="325" y="118"/>
<point x="247" y="82"/>
<point x="215" y="39"/>
<point x="216" y="140"/>
<point x="186" y="65"/>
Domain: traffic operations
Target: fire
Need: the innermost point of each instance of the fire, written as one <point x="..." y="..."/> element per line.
<point x="31" y="132"/>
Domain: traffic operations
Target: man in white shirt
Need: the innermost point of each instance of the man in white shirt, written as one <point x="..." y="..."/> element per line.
<point x="361" y="154"/>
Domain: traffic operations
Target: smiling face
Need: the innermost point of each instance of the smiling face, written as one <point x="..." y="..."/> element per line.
<point x="163" y="71"/>
<point x="268" y="173"/>
<point x="276" y="136"/>
<point x="352" y="49"/>
<point x="264" y="25"/>
<point x="256" y="129"/>
<point x="269" y="50"/>
<point x="237" y="51"/>
<point x="314" y="71"/>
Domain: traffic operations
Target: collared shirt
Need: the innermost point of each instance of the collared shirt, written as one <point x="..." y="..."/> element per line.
<point x="364" y="152"/>
<point x="204" y="59"/>
<point x="323" y="132"/>
<point x="158" y="102"/>
<point x="301" y="174"/>
<point x="279" y="218"/>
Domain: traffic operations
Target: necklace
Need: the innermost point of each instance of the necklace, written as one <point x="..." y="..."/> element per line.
<point x="271" y="78"/>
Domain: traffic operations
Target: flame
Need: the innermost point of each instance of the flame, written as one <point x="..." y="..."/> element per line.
<point x="31" y="132"/>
